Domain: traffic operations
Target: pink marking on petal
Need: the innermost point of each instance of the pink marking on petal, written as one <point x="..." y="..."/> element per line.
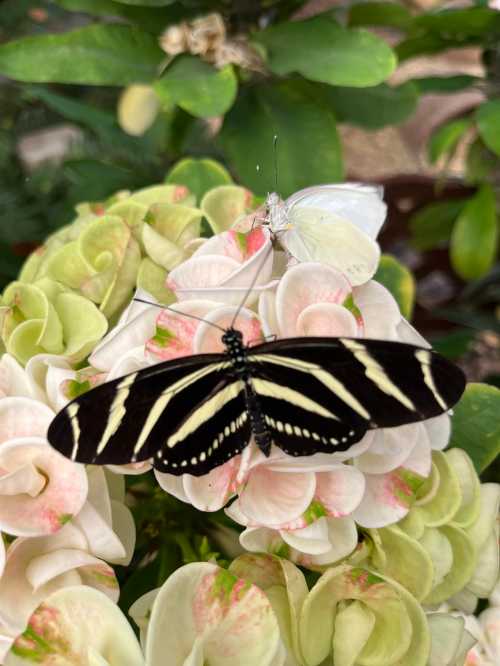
<point x="255" y="240"/>
<point x="180" y="192"/>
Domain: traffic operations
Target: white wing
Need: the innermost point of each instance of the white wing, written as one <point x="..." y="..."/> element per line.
<point x="360" y="204"/>
<point x="315" y="235"/>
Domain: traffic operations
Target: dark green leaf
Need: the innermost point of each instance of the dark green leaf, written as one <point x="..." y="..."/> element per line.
<point x="308" y="149"/>
<point x="488" y="123"/>
<point x="432" y="225"/>
<point x="147" y="3"/>
<point x="445" y="84"/>
<point x="198" y="175"/>
<point x="97" y="54"/>
<point x="399" y="280"/>
<point x="373" y="107"/>
<point x="150" y="18"/>
<point x="380" y="13"/>
<point x="445" y="139"/>
<point x="93" y="180"/>
<point x="476" y="426"/>
<point x="197" y="87"/>
<point x="454" y="345"/>
<point x="480" y="163"/>
<point x="461" y="23"/>
<point x="420" y="44"/>
<point x="321" y="50"/>
<point x="474" y="238"/>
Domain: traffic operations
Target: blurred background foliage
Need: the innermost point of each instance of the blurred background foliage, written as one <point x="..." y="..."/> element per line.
<point x="102" y="95"/>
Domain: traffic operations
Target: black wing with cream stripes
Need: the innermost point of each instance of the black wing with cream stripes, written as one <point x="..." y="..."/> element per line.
<point x="313" y="394"/>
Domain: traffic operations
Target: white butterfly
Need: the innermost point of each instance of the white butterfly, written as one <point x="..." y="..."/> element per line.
<point x="332" y="224"/>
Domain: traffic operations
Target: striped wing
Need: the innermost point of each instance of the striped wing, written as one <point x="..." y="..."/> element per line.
<point x="323" y="394"/>
<point x="187" y="415"/>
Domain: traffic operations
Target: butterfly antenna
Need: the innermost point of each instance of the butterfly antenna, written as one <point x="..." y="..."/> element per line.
<point x="275" y="156"/>
<point x="252" y="284"/>
<point x="183" y="314"/>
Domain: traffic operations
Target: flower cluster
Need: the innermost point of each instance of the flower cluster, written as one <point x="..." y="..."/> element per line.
<point x="389" y="530"/>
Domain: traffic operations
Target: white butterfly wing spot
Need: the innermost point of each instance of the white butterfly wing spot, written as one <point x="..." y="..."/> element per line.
<point x="360" y="204"/>
<point x="318" y="236"/>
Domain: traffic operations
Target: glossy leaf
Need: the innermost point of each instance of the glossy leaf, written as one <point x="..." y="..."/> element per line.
<point x="374" y="107"/>
<point x="198" y="175"/>
<point x="97" y="54"/>
<point x="197" y="87"/>
<point x="399" y="281"/>
<point x="476" y="427"/>
<point x="432" y="225"/>
<point x="475" y="235"/>
<point x="445" y="84"/>
<point x="292" y="111"/>
<point x="380" y="13"/>
<point x="321" y="50"/>
<point x="153" y="18"/>
<point x="446" y="138"/>
<point x="461" y="23"/>
<point x="488" y="123"/>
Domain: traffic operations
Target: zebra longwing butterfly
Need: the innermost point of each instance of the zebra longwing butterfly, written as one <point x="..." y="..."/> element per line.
<point x="304" y="395"/>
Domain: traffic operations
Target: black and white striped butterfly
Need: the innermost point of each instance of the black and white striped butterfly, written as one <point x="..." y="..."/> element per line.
<point x="304" y="395"/>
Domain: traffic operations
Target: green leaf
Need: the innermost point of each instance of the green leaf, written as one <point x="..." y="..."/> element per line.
<point x="460" y="23"/>
<point x="380" y="13"/>
<point x="432" y="225"/>
<point x="198" y="175"/>
<point x="308" y="149"/>
<point x="476" y="426"/>
<point x="321" y="50"/>
<point x="488" y="123"/>
<point x="374" y="107"/>
<point x="97" y="54"/>
<point x="475" y="234"/>
<point x="445" y="84"/>
<point x="399" y="281"/>
<point x="152" y="19"/>
<point x="147" y="3"/>
<point x="197" y="87"/>
<point x="480" y="163"/>
<point x="446" y="138"/>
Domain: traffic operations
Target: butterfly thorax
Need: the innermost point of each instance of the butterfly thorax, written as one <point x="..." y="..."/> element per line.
<point x="237" y="353"/>
<point x="277" y="213"/>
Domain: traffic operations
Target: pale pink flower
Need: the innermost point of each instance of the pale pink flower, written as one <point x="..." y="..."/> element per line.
<point x="40" y="489"/>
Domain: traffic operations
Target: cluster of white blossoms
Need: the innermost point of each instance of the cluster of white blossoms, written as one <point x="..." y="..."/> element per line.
<point x="390" y="529"/>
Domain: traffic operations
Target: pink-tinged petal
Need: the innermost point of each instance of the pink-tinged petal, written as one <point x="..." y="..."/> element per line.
<point x="17" y="597"/>
<point x="25" y="479"/>
<point x="406" y="333"/>
<point x="5" y="645"/>
<point x="312" y="539"/>
<point x="2" y="557"/>
<point x="98" y="493"/>
<point x="388" y="497"/>
<point x="47" y="566"/>
<point x="379" y="310"/>
<point x="304" y="285"/>
<point x="176" y="331"/>
<point x="327" y="320"/>
<point x="204" y="614"/>
<point x="23" y="417"/>
<point x="132" y="333"/>
<point x="101" y="539"/>
<point x="438" y="431"/>
<point x="202" y="271"/>
<point x="173" y="485"/>
<point x="77" y="625"/>
<point x="123" y="525"/>
<point x="14" y="381"/>
<point x="389" y="449"/>
<point x="61" y="496"/>
<point x="211" y="491"/>
<point x="207" y="338"/>
<point x="267" y="313"/>
<point x="235" y="513"/>
<point x="131" y="361"/>
<point x="343" y="539"/>
<point x="340" y="491"/>
<point x="45" y="373"/>
<point x="261" y="540"/>
<point x="275" y="498"/>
